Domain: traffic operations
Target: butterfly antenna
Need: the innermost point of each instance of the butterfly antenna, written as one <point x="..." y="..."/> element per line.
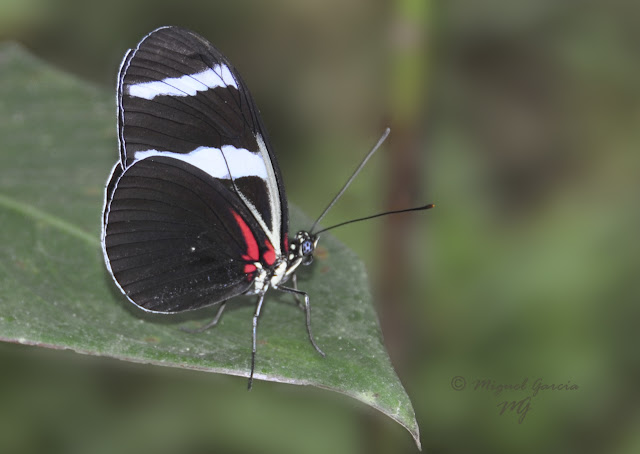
<point x="351" y="178"/>
<point x="406" y="210"/>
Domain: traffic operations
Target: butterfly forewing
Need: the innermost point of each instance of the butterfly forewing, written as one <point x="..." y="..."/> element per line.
<point x="178" y="93"/>
<point x="184" y="114"/>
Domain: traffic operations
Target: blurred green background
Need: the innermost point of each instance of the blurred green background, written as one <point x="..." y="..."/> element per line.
<point x="518" y="119"/>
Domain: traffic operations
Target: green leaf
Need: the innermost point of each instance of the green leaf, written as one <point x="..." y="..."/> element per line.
<point x="58" y="145"/>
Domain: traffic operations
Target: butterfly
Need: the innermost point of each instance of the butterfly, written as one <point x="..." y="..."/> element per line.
<point x="195" y="209"/>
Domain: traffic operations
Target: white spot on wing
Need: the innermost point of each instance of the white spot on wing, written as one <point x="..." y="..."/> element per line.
<point x="187" y="85"/>
<point x="217" y="162"/>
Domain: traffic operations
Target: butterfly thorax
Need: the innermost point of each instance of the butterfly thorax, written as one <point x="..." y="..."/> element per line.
<point x="300" y="252"/>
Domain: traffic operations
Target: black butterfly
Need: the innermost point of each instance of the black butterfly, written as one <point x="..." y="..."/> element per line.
<point x="195" y="209"/>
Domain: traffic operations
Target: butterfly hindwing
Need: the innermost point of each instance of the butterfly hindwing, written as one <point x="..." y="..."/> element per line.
<point x="176" y="239"/>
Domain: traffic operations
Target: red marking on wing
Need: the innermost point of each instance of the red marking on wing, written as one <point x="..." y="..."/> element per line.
<point x="249" y="268"/>
<point x="270" y="255"/>
<point x="286" y="244"/>
<point x="252" y="245"/>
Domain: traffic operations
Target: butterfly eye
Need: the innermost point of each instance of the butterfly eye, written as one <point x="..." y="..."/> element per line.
<point x="307" y="247"/>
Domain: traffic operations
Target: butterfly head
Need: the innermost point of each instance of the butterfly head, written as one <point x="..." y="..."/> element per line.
<point x="302" y="247"/>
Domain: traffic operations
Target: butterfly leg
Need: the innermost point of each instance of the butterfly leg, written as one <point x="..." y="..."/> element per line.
<point x="253" y="349"/>
<point x="211" y="324"/>
<point x="307" y="309"/>
<point x="294" y="279"/>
